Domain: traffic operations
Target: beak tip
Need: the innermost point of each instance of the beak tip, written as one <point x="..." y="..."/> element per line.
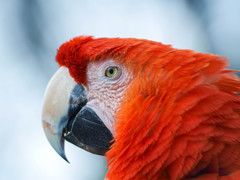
<point x="57" y="142"/>
<point x="64" y="157"/>
<point x="60" y="150"/>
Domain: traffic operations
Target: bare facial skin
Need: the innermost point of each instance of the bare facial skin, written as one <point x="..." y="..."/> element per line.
<point x="105" y="93"/>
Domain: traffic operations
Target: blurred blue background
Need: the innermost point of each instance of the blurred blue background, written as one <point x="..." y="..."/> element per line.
<point x="32" y="30"/>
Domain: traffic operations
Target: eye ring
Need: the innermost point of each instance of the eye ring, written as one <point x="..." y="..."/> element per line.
<point x="111" y="71"/>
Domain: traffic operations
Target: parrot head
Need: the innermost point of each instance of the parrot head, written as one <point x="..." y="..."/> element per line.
<point x="155" y="112"/>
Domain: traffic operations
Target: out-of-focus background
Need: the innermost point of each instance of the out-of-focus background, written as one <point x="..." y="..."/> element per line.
<point x="32" y="30"/>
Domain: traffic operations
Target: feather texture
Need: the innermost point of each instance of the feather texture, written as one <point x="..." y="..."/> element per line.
<point x="180" y="118"/>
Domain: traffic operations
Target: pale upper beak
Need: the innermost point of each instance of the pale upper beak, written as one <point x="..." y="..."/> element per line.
<point x="55" y="108"/>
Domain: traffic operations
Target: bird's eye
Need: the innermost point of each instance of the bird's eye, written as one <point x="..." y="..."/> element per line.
<point x="111" y="71"/>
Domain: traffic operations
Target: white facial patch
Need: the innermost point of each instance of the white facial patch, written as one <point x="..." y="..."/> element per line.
<point x="105" y="93"/>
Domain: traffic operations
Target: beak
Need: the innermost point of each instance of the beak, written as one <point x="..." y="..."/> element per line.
<point x="66" y="115"/>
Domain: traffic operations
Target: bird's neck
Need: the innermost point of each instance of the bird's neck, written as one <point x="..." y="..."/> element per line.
<point x="197" y="136"/>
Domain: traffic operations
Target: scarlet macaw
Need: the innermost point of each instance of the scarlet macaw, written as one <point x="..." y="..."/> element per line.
<point x="155" y="112"/>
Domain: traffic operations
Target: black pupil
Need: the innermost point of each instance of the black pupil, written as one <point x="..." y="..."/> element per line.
<point x="111" y="71"/>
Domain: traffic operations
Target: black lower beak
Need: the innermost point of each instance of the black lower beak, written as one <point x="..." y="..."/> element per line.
<point x="84" y="128"/>
<point x="88" y="132"/>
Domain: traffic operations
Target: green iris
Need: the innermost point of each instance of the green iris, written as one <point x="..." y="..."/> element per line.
<point x="111" y="71"/>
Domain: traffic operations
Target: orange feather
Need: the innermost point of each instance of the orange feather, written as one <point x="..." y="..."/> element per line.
<point x="180" y="117"/>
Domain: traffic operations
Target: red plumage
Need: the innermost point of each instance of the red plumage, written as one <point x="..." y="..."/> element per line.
<point x="180" y="117"/>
